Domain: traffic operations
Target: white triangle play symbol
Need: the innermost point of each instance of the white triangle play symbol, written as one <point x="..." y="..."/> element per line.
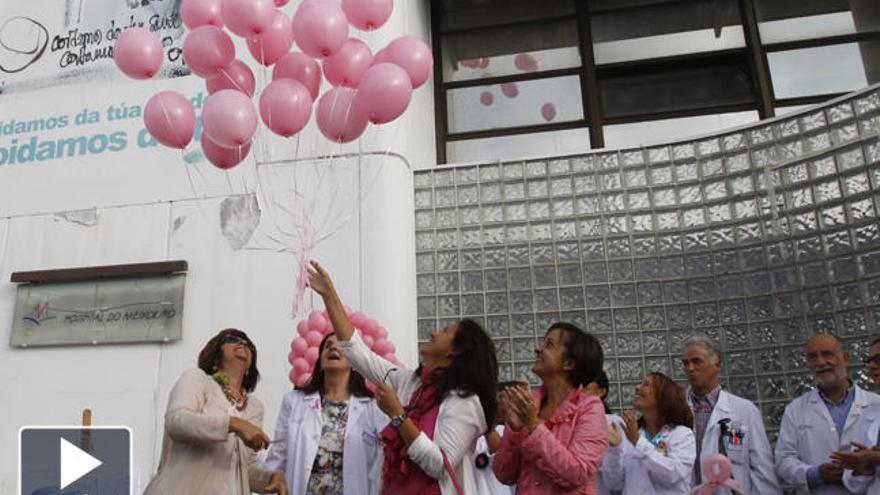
<point x="75" y="463"/>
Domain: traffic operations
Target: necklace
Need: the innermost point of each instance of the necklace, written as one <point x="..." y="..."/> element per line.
<point x="222" y="379"/>
<point x="240" y="404"/>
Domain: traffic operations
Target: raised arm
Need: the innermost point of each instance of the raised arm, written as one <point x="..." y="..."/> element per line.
<point x="319" y="281"/>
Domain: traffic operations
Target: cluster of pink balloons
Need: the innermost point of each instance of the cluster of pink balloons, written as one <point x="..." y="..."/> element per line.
<point x="304" y="349"/>
<point x="367" y="88"/>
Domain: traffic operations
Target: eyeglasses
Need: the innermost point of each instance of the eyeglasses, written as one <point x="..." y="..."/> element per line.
<point x="875" y="359"/>
<point x="235" y="339"/>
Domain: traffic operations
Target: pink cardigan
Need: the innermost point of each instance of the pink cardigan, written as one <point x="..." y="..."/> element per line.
<point x="562" y="455"/>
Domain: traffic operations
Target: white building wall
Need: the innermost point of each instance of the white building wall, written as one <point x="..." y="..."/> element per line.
<point x="140" y="205"/>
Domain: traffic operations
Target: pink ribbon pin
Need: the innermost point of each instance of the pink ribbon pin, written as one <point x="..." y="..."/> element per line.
<point x="716" y="470"/>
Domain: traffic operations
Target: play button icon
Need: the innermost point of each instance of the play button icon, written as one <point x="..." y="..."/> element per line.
<point x="75" y="461"/>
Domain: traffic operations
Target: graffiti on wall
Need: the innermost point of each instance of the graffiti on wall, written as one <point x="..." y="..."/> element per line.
<point x="44" y="46"/>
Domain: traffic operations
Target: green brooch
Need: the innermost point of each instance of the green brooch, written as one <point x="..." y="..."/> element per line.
<point x="221" y="378"/>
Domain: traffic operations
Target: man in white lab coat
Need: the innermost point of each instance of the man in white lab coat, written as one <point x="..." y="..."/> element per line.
<point x="821" y="421"/>
<point x="861" y="473"/>
<point x="725" y="423"/>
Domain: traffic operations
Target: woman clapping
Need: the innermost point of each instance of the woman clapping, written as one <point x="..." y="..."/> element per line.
<point x="661" y="459"/>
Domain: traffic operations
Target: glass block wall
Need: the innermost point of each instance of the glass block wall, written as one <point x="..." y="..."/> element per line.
<point x="758" y="237"/>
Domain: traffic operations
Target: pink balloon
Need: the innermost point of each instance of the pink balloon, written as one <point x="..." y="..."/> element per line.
<point x="314" y="337"/>
<point x="291" y="356"/>
<point x="317" y="321"/>
<point x="487" y="98"/>
<point x="300" y="67"/>
<point x="237" y="75"/>
<point x="299" y="346"/>
<point x="303" y="379"/>
<point x="302" y="328"/>
<point x="510" y="90"/>
<point x="337" y="117"/>
<point x="281" y="3"/>
<point x="311" y="355"/>
<point x="207" y="50"/>
<point x="285" y="107"/>
<point x="138" y="53"/>
<point x="368" y="340"/>
<point x="292" y="376"/>
<point x="370" y="327"/>
<point x="170" y="119"/>
<point x="381" y="333"/>
<point x="548" y="111"/>
<point x="247" y="17"/>
<point x="390" y="357"/>
<point x="346" y="66"/>
<point x="413" y="55"/>
<point x="300" y="365"/>
<point x="367" y="15"/>
<point x="383" y="93"/>
<point x="273" y="43"/>
<point x="382" y="346"/>
<point x="229" y="118"/>
<point x="195" y="13"/>
<point x="320" y="28"/>
<point x="222" y="157"/>
<point x="525" y="62"/>
<point x="357" y="319"/>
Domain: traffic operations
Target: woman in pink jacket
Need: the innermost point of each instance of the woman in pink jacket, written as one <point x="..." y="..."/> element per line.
<point x="555" y="437"/>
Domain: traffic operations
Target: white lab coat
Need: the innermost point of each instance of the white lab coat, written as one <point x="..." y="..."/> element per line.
<point x="807" y="437"/>
<point x="298" y="432"/>
<point x="866" y="429"/>
<point x="647" y="470"/>
<point x="610" y="478"/>
<point x="750" y="456"/>
<point x="460" y="421"/>
<point x="487" y="483"/>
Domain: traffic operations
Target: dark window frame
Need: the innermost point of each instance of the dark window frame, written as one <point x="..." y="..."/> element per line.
<point x="590" y="74"/>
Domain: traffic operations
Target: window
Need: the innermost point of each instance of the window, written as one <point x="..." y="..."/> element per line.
<point x="531" y="76"/>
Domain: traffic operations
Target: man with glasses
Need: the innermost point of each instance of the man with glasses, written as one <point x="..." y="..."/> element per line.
<point x="725" y="423"/>
<point x="861" y="463"/>
<point x="821" y="421"/>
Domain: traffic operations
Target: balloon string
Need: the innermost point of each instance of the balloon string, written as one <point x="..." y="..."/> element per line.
<point x="231" y="80"/>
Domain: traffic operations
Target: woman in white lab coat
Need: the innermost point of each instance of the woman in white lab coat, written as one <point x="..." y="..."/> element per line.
<point x="327" y="434"/>
<point x="662" y="450"/>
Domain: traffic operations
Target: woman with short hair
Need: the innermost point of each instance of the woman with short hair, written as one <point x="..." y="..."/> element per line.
<point x="213" y="426"/>
<point x="555" y="438"/>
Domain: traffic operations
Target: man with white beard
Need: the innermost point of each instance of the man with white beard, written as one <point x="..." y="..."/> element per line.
<point x="821" y="421"/>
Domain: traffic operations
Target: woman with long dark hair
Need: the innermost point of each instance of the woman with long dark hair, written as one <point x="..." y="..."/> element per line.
<point x="450" y="401"/>
<point x="662" y="450"/>
<point x="213" y="426"/>
<point x="554" y="439"/>
<point x="326" y="436"/>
